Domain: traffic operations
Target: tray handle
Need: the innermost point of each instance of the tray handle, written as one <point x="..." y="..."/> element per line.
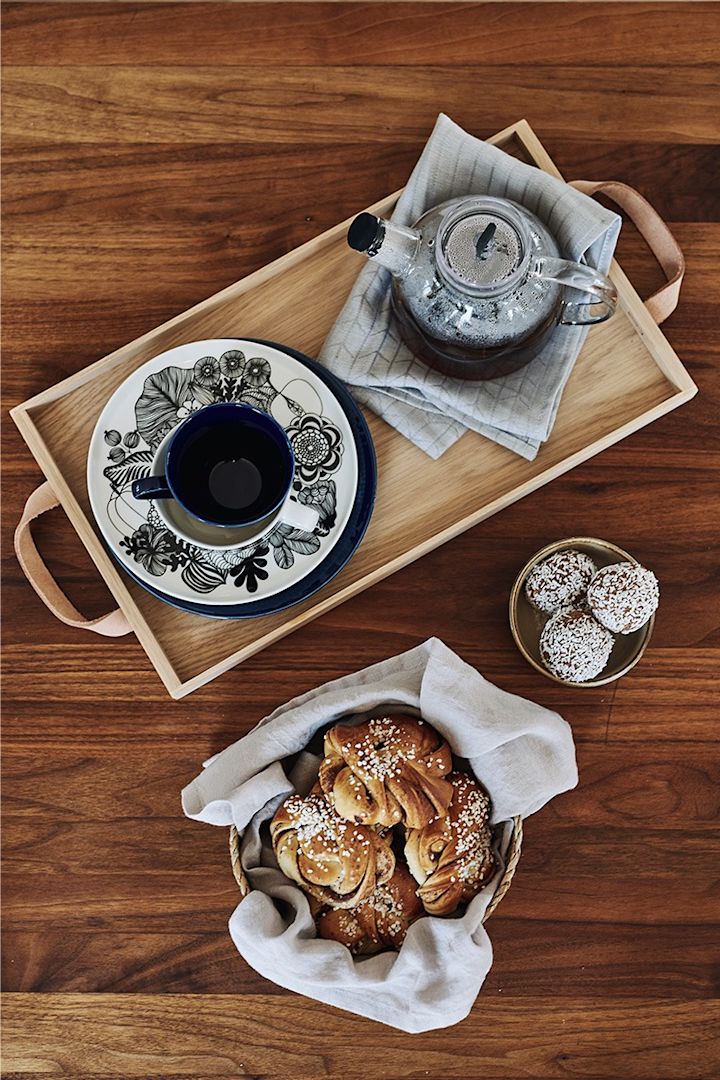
<point x="656" y="235"/>
<point x="114" y="624"/>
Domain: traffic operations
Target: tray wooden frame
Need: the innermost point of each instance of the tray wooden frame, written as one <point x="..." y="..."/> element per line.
<point x="627" y="376"/>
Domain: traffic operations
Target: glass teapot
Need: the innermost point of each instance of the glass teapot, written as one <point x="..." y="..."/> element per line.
<point x="478" y="284"/>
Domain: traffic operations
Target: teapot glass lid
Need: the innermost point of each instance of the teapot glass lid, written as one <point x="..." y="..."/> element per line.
<point x="483" y="247"/>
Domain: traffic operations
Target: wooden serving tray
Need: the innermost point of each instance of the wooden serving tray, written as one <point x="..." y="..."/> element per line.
<point x="627" y="376"/>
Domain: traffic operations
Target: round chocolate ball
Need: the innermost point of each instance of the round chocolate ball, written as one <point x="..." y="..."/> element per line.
<point x="559" y="581"/>
<point x="623" y="596"/>
<point x="574" y="646"/>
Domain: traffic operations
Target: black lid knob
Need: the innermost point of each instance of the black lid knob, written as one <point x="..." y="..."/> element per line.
<point x="365" y="232"/>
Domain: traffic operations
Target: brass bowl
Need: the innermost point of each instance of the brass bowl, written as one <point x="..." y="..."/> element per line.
<point x="527" y="623"/>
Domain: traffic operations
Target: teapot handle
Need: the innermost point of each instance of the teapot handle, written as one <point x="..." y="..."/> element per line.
<point x="575" y="276"/>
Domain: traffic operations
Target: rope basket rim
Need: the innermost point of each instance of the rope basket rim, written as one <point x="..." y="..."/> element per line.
<point x="512" y="857"/>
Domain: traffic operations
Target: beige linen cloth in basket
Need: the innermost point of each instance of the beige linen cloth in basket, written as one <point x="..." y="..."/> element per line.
<point x="523" y="754"/>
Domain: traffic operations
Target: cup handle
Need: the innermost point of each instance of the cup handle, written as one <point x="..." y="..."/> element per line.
<point x="151" y="487"/>
<point x="300" y="517"/>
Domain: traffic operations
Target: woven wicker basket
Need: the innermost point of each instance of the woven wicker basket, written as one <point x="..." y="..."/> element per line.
<point x="512" y="856"/>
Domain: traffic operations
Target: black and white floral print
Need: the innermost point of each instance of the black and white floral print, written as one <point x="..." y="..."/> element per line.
<point x="152" y="547"/>
<point x="232" y="364"/>
<point x="287" y="541"/>
<point x="251" y="569"/>
<point x="157" y="550"/>
<point x="317" y="445"/>
<point x="170" y="395"/>
<point x="322" y="496"/>
<point x="257" y="372"/>
<point x="207" y="371"/>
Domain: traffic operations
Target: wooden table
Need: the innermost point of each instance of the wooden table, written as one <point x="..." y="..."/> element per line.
<point x="155" y="153"/>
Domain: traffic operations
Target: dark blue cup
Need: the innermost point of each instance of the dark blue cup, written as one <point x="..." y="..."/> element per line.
<point x="228" y="465"/>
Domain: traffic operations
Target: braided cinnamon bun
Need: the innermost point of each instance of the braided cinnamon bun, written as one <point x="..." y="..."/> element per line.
<point x="387" y="770"/>
<point x="336" y="861"/>
<point x="451" y="858"/>
<point x="379" y="922"/>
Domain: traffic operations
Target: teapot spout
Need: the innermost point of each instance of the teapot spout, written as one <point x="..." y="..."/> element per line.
<point x="390" y="245"/>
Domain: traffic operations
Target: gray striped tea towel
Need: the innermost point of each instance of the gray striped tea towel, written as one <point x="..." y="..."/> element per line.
<point x="433" y="411"/>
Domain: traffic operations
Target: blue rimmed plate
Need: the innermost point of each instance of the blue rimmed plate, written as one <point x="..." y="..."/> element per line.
<point x="323" y="461"/>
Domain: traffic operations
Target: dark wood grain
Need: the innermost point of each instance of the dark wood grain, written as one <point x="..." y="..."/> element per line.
<point x="363" y="35"/>
<point x="154" y="153"/>
<point x="286" y="104"/>
<point x="147" y="1034"/>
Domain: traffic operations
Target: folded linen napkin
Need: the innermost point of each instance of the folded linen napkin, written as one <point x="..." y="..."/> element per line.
<point x="432" y="410"/>
<point x="521" y="752"/>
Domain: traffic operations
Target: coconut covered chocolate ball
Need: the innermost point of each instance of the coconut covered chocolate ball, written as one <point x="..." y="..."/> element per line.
<point x="574" y="646"/>
<point x="623" y="596"/>
<point x="559" y="581"/>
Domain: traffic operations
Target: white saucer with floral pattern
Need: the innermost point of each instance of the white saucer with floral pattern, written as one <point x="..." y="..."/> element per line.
<point x="157" y="397"/>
